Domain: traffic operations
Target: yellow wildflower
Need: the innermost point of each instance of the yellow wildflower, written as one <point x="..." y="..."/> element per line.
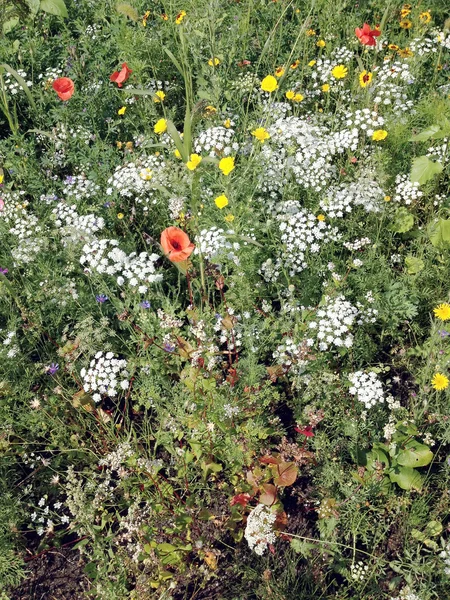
<point x="387" y="198"/>
<point x="325" y="87"/>
<point x="310" y="33"/>
<point x="221" y="201"/>
<point x="193" y="162"/>
<point x="120" y="215"/>
<point x="210" y="110"/>
<point x="159" y="96"/>
<point x="227" y="123"/>
<point x="177" y="153"/>
<point x="295" y="64"/>
<point x="1" y="178"/>
<point x="339" y="72"/>
<point x="122" y="110"/>
<point x="440" y="382"/>
<point x="180" y="16"/>
<point x="312" y="63"/>
<point x="406" y="53"/>
<point x="298" y="98"/>
<point x="365" y="79"/>
<point x="405" y="24"/>
<point x="442" y="311"/>
<point x="279" y="72"/>
<point x="393" y="47"/>
<point x="214" y="62"/>
<point x="425" y="16"/>
<point x="290" y="94"/>
<point x="146" y="174"/>
<point x="379" y="134"/>
<point x="229" y="218"/>
<point x="160" y="126"/>
<point x="321" y="217"/>
<point x="321" y="43"/>
<point x="269" y="84"/>
<point x="226" y="165"/>
<point x="261" y="134"/>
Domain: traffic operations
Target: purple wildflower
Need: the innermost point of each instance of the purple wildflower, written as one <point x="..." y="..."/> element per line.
<point x="168" y="347"/>
<point x="51" y="370"/>
<point x="3" y="271"/>
<point x="101" y="298"/>
<point x="145" y="304"/>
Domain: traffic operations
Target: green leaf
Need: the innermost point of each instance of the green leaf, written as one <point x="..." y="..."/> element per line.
<point x="54" y="7"/>
<point x="415" y="455"/>
<point x="426" y="134"/>
<point x="414" y="265"/>
<point x="10" y="24"/>
<point x="424" y="169"/>
<point x="21" y="81"/>
<point x="407" y="478"/>
<point x="433" y="528"/>
<point x="127" y="10"/>
<point x="403" y="221"/>
<point x="439" y="233"/>
<point x="34" y="6"/>
<point x="172" y="131"/>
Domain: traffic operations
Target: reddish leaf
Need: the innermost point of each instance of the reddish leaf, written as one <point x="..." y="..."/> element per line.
<point x="272" y="548"/>
<point x="242" y="499"/>
<point x="306" y="431"/>
<point x="286" y="474"/>
<point x="269" y="496"/>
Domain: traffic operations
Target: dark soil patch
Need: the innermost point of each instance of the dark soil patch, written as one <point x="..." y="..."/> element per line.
<point x="55" y="575"/>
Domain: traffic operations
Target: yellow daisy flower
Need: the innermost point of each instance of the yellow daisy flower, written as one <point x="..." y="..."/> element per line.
<point x="379" y="134"/>
<point x="269" y="84"/>
<point x="339" y="72"/>
<point x="221" y="201"/>
<point x="193" y="162"/>
<point x="261" y="134"/>
<point x="442" y="311"/>
<point x="440" y="382"/>
<point x="226" y="165"/>
<point x="160" y="126"/>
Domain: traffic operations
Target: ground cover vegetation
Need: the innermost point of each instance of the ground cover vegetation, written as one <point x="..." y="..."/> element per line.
<point x="225" y="299"/>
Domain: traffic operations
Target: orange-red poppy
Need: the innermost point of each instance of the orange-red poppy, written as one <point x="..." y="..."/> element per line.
<point x="176" y="244"/>
<point x="64" y="87"/>
<point x="120" y="76"/>
<point x="366" y="35"/>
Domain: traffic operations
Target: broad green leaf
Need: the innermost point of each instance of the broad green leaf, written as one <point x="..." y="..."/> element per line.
<point x="137" y="92"/>
<point x="128" y="11"/>
<point x="414" y="265"/>
<point x="10" y="24"/>
<point x="172" y="131"/>
<point x="415" y="455"/>
<point x="34" y="6"/>
<point x="439" y="233"/>
<point x="433" y="528"/>
<point x="175" y="61"/>
<point x="426" y="134"/>
<point x="406" y="477"/>
<point x="403" y="221"/>
<point x="302" y="547"/>
<point x="424" y="169"/>
<point x="54" y="7"/>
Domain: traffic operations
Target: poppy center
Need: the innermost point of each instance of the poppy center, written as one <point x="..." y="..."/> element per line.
<point x="176" y="245"/>
<point x="366" y="78"/>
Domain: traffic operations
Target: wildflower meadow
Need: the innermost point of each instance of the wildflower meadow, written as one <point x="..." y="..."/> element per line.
<point x="224" y="300"/>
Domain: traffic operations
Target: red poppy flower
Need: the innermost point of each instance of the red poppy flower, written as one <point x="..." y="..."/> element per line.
<point x="176" y="244"/>
<point x="366" y="35"/>
<point x="120" y="76"/>
<point x="64" y="87"/>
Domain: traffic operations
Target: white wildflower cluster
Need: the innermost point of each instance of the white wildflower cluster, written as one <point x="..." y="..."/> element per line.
<point x="136" y="180"/>
<point x="393" y="96"/>
<point x="291" y="355"/>
<point x="62" y="134"/>
<point x="357" y="244"/>
<point x="216" y="141"/>
<point x="45" y="516"/>
<point x="365" y="120"/>
<point x="73" y="227"/>
<point x="230" y="411"/>
<point x="271" y="270"/>
<point x="259" y="530"/>
<point x="406" y="191"/>
<point x="366" y="387"/>
<point x="332" y="327"/>
<point x="105" y="257"/>
<point x="215" y="246"/>
<point x="107" y="375"/>
<point x="91" y="31"/>
<point x="30" y="241"/>
<point x="423" y="45"/>
<point x="341" y="55"/>
<point x="300" y="149"/>
<point x="342" y="199"/>
<point x="49" y="76"/>
<point x="391" y="426"/>
<point x="406" y="594"/>
<point x="359" y="571"/>
<point x="80" y="187"/>
<point x="115" y="459"/>
<point x="10" y="343"/>
<point x="440" y="152"/>
<point x="11" y="84"/>
<point x="397" y="71"/>
<point x="301" y="234"/>
<point x="443" y="39"/>
<point x="246" y="83"/>
<point x="176" y="206"/>
<point x="445" y="554"/>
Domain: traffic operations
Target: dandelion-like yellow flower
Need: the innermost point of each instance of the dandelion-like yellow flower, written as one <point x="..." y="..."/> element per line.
<point x="442" y="311"/>
<point x="339" y="72"/>
<point x="129" y="145"/>
<point x="405" y="24"/>
<point x="365" y="78"/>
<point x="321" y="217"/>
<point x="122" y="110"/>
<point x="406" y="53"/>
<point x="159" y="96"/>
<point x="229" y="218"/>
<point x="146" y="174"/>
<point x="227" y="123"/>
<point x="1" y="179"/>
<point x="226" y="165"/>
<point x="214" y="62"/>
<point x="269" y="84"/>
<point x="177" y="153"/>
<point x="221" y="201"/>
<point x="261" y="134"/>
<point x="193" y="162"/>
<point x="210" y="110"/>
<point x="379" y="134"/>
<point x="393" y="47"/>
<point x="298" y="98"/>
<point x="321" y="43"/>
<point x="440" y="382"/>
<point x="325" y="87"/>
<point x="425" y="17"/>
<point x="120" y="215"/>
<point x="312" y="63"/>
<point x="180" y="16"/>
<point x="310" y="33"/>
<point x="290" y="94"/>
<point x="160" y="126"/>
<point x="295" y="64"/>
<point x="279" y="72"/>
